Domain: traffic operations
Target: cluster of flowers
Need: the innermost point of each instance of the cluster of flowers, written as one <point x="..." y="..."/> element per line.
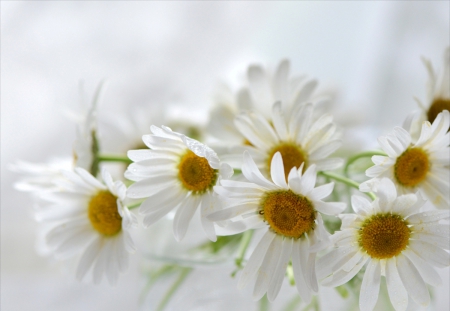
<point x="273" y="175"/>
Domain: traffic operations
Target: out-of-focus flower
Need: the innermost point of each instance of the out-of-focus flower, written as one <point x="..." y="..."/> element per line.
<point x="299" y="140"/>
<point x="178" y="172"/>
<point x="90" y="219"/>
<point x="438" y="89"/>
<point x="395" y="240"/>
<point x="263" y="88"/>
<point x="423" y="165"/>
<point x="40" y="177"/>
<point x="290" y="210"/>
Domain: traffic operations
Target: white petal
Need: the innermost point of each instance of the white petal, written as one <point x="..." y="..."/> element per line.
<point x="329" y="164"/>
<point x="442" y="242"/>
<point x="161" y="199"/>
<point x="112" y="268"/>
<point x="387" y="194"/>
<point x="342" y="277"/>
<point x="425" y="134"/>
<point x="387" y="147"/>
<point x="308" y="180"/>
<point x="100" y="264"/>
<point x="321" y="192"/>
<point x="300" y="121"/>
<point x="277" y="171"/>
<point x="396" y="290"/>
<point x="89" y="178"/>
<point x="361" y="205"/>
<point x="329" y="208"/>
<point x="431" y="253"/>
<point x="403" y="136"/>
<point x="326" y="262"/>
<point x="325" y="150"/>
<point x="88" y="258"/>
<point x="232" y="212"/>
<point x="255" y="259"/>
<point x="412" y="281"/>
<point x="370" y="286"/>
<point x="279" y="121"/>
<point x="148" y="186"/>
<point x="303" y="289"/>
<point x="268" y="268"/>
<point x="247" y="129"/>
<point x="428" y="274"/>
<point x="403" y="202"/>
<point x="428" y="216"/>
<point x="184" y="215"/>
<point x="280" y="271"/>
<point x="151" y="218"/>
<point x="252" y="173"/>
<point x="207" y="206"/>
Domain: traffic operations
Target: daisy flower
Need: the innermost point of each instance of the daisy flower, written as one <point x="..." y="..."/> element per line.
<point x="392" y="238"/>
<point x="262" y="90"/>
<point x="178" y="172"/>
<point x="91" y="219"/>
<point x="291" y="213"/>
<point x="299" y="140"/>
<point x="438" y="89"/>
<point x="423" y="165"/>
<point x="40" y="177"/>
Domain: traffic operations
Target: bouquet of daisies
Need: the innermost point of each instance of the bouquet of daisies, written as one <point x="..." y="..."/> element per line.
<point x="268" y="161"/>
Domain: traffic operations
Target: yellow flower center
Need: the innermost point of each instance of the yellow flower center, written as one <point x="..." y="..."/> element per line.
<point x="291" y="154"/>
<point x="437" y="106"/>
<point x="103" y="213"/>
<point x="411" y="167"/>
<point x="384" y="235"/>
<point x="287" y="213"/>
<point x="195" y="173"/>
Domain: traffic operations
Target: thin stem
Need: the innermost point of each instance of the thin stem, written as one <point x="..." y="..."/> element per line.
<point x="346" y="181"/>
<point x="290" y="274"/>
<point x="245" y="241"/>
<point x="264" y="304"/>
<point x="113" y="158"/>
<point x="365" y="154"/>
<point x="184" y="273"/>
<point x="130" y="207"/>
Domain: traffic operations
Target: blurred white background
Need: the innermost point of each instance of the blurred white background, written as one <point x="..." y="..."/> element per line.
<point x="157" y="52"/>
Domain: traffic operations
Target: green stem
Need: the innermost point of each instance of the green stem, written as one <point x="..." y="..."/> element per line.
<point x="346" y="181"/>
<point x="113" y="158"/>
<point x="184" y="273"/>
<point x="245" y="241"/>
<point x="290" y="274"/>
<point x="130" y="207"/>
<point x="264" y="304"/>
<point x="365" y="154"/>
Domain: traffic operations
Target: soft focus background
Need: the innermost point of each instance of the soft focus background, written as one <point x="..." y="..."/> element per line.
<point x="155" y="53"/>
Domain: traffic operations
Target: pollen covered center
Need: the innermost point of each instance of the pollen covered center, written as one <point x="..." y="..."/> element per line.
<point x="291" y="154"/>
<point x="411" y="167"/>
<point x="103" y="213"/>
<point x="384" y="236"/>
<point x="437" y="106"/>
<point x="287" y="213"/>
<point x="195" y="173"/>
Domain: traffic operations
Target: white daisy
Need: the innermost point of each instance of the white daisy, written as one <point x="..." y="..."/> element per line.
<point x="438" y="89"/>
<point x="300" y="140"/>
<point x="395" y="240"/>
<point x="263" y="89"/>
<point x="40" y="177"/>
<point x="178" y="172"/>
<point x="423" y="165"/>
<point x="90" y="219"/>
<point x="290" y="211"/>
